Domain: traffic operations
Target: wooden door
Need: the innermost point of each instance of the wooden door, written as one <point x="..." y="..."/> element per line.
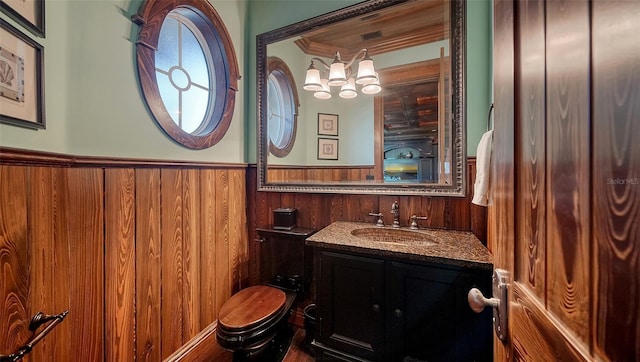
<point x="566" y="166"/>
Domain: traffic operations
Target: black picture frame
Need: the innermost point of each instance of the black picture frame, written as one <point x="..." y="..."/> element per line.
<point x="327" y="148"/>
<point x="23" y="79"/>
<point x="35" y="23"/>
<point x="327" y="124"/>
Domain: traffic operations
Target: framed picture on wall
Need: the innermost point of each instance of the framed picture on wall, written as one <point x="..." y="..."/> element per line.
<point x="21" y="79"/>
<point x="27" y="13"/>
<point x="327" y="149"/>
<point x="327" y="124"/>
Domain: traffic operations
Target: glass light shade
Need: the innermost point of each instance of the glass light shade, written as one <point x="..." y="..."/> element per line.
<point x="373" y="87"/>
<point x="325" y="92"/>
<point x="337" y="74"/>
<point x="366" y="72"/>
<point x="348" y="91"/>
<point x="312" y="80"/>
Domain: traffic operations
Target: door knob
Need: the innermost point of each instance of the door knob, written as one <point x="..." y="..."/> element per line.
<point x="478" y="302"/>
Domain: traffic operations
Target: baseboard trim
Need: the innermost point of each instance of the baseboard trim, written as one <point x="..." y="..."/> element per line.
<point x="202" y="347"/>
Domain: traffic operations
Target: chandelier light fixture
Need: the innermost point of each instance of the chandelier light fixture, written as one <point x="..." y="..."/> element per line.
<point x="340" y="74"/>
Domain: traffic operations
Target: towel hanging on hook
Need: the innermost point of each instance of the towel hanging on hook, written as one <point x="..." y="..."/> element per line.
<point x="489" y="118"/>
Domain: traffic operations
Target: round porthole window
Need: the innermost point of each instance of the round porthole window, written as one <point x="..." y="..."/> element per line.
<point x="187" y="70"/>
<point x="282" y="107"/>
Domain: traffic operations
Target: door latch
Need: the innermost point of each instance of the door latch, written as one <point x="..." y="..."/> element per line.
<point x="499" y="302"/>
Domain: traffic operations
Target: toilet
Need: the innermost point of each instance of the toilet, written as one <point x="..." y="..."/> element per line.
<point x="254" y="322"/>
<point x="253" y="318"/>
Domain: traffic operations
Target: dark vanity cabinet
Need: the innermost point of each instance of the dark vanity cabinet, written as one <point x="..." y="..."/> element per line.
<point x="350" y="304"/>
<point x="383" y="309"/>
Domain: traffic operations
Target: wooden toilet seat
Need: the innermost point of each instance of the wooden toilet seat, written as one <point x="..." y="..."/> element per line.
<point x="251" y="307"/>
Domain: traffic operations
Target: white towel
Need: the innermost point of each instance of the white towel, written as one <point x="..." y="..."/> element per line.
<point x="483" y="168"/>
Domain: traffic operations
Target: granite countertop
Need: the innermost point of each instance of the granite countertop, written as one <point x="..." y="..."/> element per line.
<point x="459" y="248"/>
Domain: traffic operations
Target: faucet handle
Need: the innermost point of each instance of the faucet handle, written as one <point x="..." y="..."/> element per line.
<point x="414" y="221"/>
<point x="380" y="222"/>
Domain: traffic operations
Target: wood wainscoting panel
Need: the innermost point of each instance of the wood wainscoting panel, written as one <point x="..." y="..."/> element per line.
<point x="81" y="222"/>
<point x="282" y="173"/>
<point x="120" y="263"/>
<point x="207" y="251"/>
<point x="172" y="307"/>
<point x="14" y="259"/>
<point x="142" y="257"/>
<point x="221" y="240"/>
<point x="48" y="257"/>
<point x="148" y="265"/>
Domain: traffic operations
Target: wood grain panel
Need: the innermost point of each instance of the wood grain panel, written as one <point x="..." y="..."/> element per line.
<point x="191" y="253"/>
<point x="568" y="174"/>
<point x="148" y="266"/>
<point x="616" y="179"/>
<point x="501" y="212"/>
<point x="172" y="311"/>
<point x="238" y="229"/>
<point x="235" y="224"/>
<point x="531" y="148"/>
<point x="207" y="303"/>
<point x="119" y="258"/>
<point x="83" y="210"/>
<point x="14" y="259"/>
<point x="61" y="283"/>
<point x="223" y="275"/>
<point x="42" y="260"/>
<point x="500" y="232"/>
<point x="539" y="338"/>
<point x="286" y="174"/>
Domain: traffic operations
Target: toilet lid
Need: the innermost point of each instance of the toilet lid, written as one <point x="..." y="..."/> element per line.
<point x="251" y="306"/>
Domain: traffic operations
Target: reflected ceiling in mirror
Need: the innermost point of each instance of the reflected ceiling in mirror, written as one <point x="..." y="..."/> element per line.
<point x="406" y="139"/>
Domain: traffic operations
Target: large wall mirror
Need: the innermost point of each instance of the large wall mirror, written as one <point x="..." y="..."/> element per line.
<point x="380" y="92"/>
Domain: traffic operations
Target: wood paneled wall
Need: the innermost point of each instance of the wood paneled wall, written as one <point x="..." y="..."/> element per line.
<point x="143" y="256"/>
<point x="318" y="173"/>
<point x="144" y="253"/>
<point x="319" y="210"/>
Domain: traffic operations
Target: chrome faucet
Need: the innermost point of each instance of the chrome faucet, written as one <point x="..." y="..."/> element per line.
<point x="380" y="222"/>
<point x="414" y="221"/>
<point x="395" y="210"/>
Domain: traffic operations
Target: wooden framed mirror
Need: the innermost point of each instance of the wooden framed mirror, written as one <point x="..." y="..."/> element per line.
<point x="407" y="139"/>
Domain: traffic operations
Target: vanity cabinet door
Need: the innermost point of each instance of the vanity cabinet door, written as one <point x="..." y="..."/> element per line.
<point x="429" y="318"/>
<point x="351" y="304"/>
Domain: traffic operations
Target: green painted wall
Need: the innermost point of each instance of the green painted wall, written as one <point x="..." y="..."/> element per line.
<point x="93" y="103"/>
<point x="266" y="15"/>
<point x="94" y="106"/>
